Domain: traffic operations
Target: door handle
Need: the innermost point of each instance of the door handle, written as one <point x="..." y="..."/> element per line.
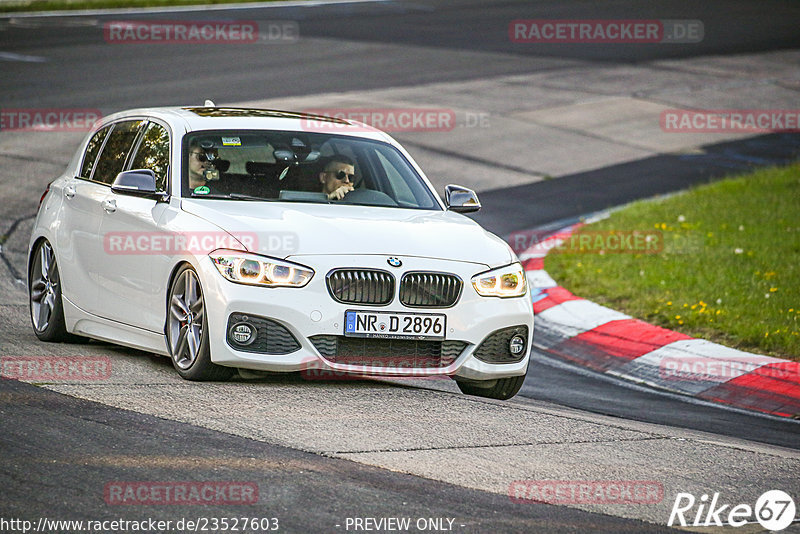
<point x="69" y="191"/>
<point x="110" y="206"/>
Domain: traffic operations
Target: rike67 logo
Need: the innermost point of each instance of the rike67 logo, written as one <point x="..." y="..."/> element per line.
<point x="774" y="510"/>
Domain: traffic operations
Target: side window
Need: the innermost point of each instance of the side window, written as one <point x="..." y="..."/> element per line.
<point x="92" y="149"/>
<point x="118" y="145"/>
<point x="153" y="154"/>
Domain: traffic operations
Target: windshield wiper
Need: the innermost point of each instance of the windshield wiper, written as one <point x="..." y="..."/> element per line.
<point x="215" y="197"/>
<point x="231" y="196"/>
<point x="240" y="196"/>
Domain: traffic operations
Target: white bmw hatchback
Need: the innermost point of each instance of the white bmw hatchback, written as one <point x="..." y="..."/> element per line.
<point x="267" y="240"/>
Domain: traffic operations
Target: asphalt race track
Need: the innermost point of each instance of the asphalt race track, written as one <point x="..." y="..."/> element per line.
<point x="456" y="40"/>
<point x="323" y="452"/>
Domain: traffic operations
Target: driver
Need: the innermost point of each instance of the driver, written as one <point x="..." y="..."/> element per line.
<point x="337" y="176"/>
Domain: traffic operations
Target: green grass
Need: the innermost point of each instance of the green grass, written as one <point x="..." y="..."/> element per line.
<point x="16" y="6"/>
<point x="729" y="270"/>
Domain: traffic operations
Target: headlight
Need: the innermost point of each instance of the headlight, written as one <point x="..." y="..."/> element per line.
<point x="508" y="281"/>
<point x="255" y="270"/>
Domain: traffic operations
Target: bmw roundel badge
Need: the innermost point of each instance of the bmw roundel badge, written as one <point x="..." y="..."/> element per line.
<point x="394" y="262"/>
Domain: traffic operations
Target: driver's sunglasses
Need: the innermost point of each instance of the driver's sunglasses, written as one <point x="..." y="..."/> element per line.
<point x="202" y="157"/>
<point x="341" y="175"/>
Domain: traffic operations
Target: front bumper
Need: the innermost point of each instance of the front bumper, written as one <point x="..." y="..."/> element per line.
<point x="311" y="311"/>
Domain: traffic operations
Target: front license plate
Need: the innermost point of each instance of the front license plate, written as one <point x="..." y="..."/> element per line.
<point x="390" y="325"/>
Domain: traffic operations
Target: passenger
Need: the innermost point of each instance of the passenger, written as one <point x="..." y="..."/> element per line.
<point x="337" y="176"/>
<point x="199" y="164"/>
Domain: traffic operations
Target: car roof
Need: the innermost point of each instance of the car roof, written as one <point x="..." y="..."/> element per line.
<point x="194" y="118"/>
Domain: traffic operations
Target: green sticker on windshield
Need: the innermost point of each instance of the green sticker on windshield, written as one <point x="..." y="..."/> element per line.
<point x="202" y="190"/>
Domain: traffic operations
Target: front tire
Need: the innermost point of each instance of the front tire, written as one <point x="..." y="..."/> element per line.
<point x="501" y="389"/>
<point x="187" y="330"/>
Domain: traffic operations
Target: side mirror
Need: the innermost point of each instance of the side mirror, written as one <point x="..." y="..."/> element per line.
<point x="460" y="199"/>
<point x="139" y="182"/>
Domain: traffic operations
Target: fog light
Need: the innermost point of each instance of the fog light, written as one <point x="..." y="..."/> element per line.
<point x="516" y="345"/>
<point x="243" y="333"/>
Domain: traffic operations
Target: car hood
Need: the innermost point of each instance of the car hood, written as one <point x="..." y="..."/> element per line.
<point x="282" y="229"/>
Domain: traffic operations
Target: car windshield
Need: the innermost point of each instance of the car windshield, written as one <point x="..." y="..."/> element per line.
<point x="300" y="167"/>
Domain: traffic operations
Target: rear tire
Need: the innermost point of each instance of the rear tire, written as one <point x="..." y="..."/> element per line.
<point x="187" y="330"/>
<point x="44" y="297"/>
<point x="501" y="388"/>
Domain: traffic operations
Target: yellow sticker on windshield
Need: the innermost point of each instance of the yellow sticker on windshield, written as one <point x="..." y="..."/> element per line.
<point x="231" y="141"/>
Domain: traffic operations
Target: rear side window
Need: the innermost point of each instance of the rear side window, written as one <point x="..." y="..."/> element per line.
<point x="153" y="154"/>
<point x="92" y="150"/>
<point x="118" y="146"/>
